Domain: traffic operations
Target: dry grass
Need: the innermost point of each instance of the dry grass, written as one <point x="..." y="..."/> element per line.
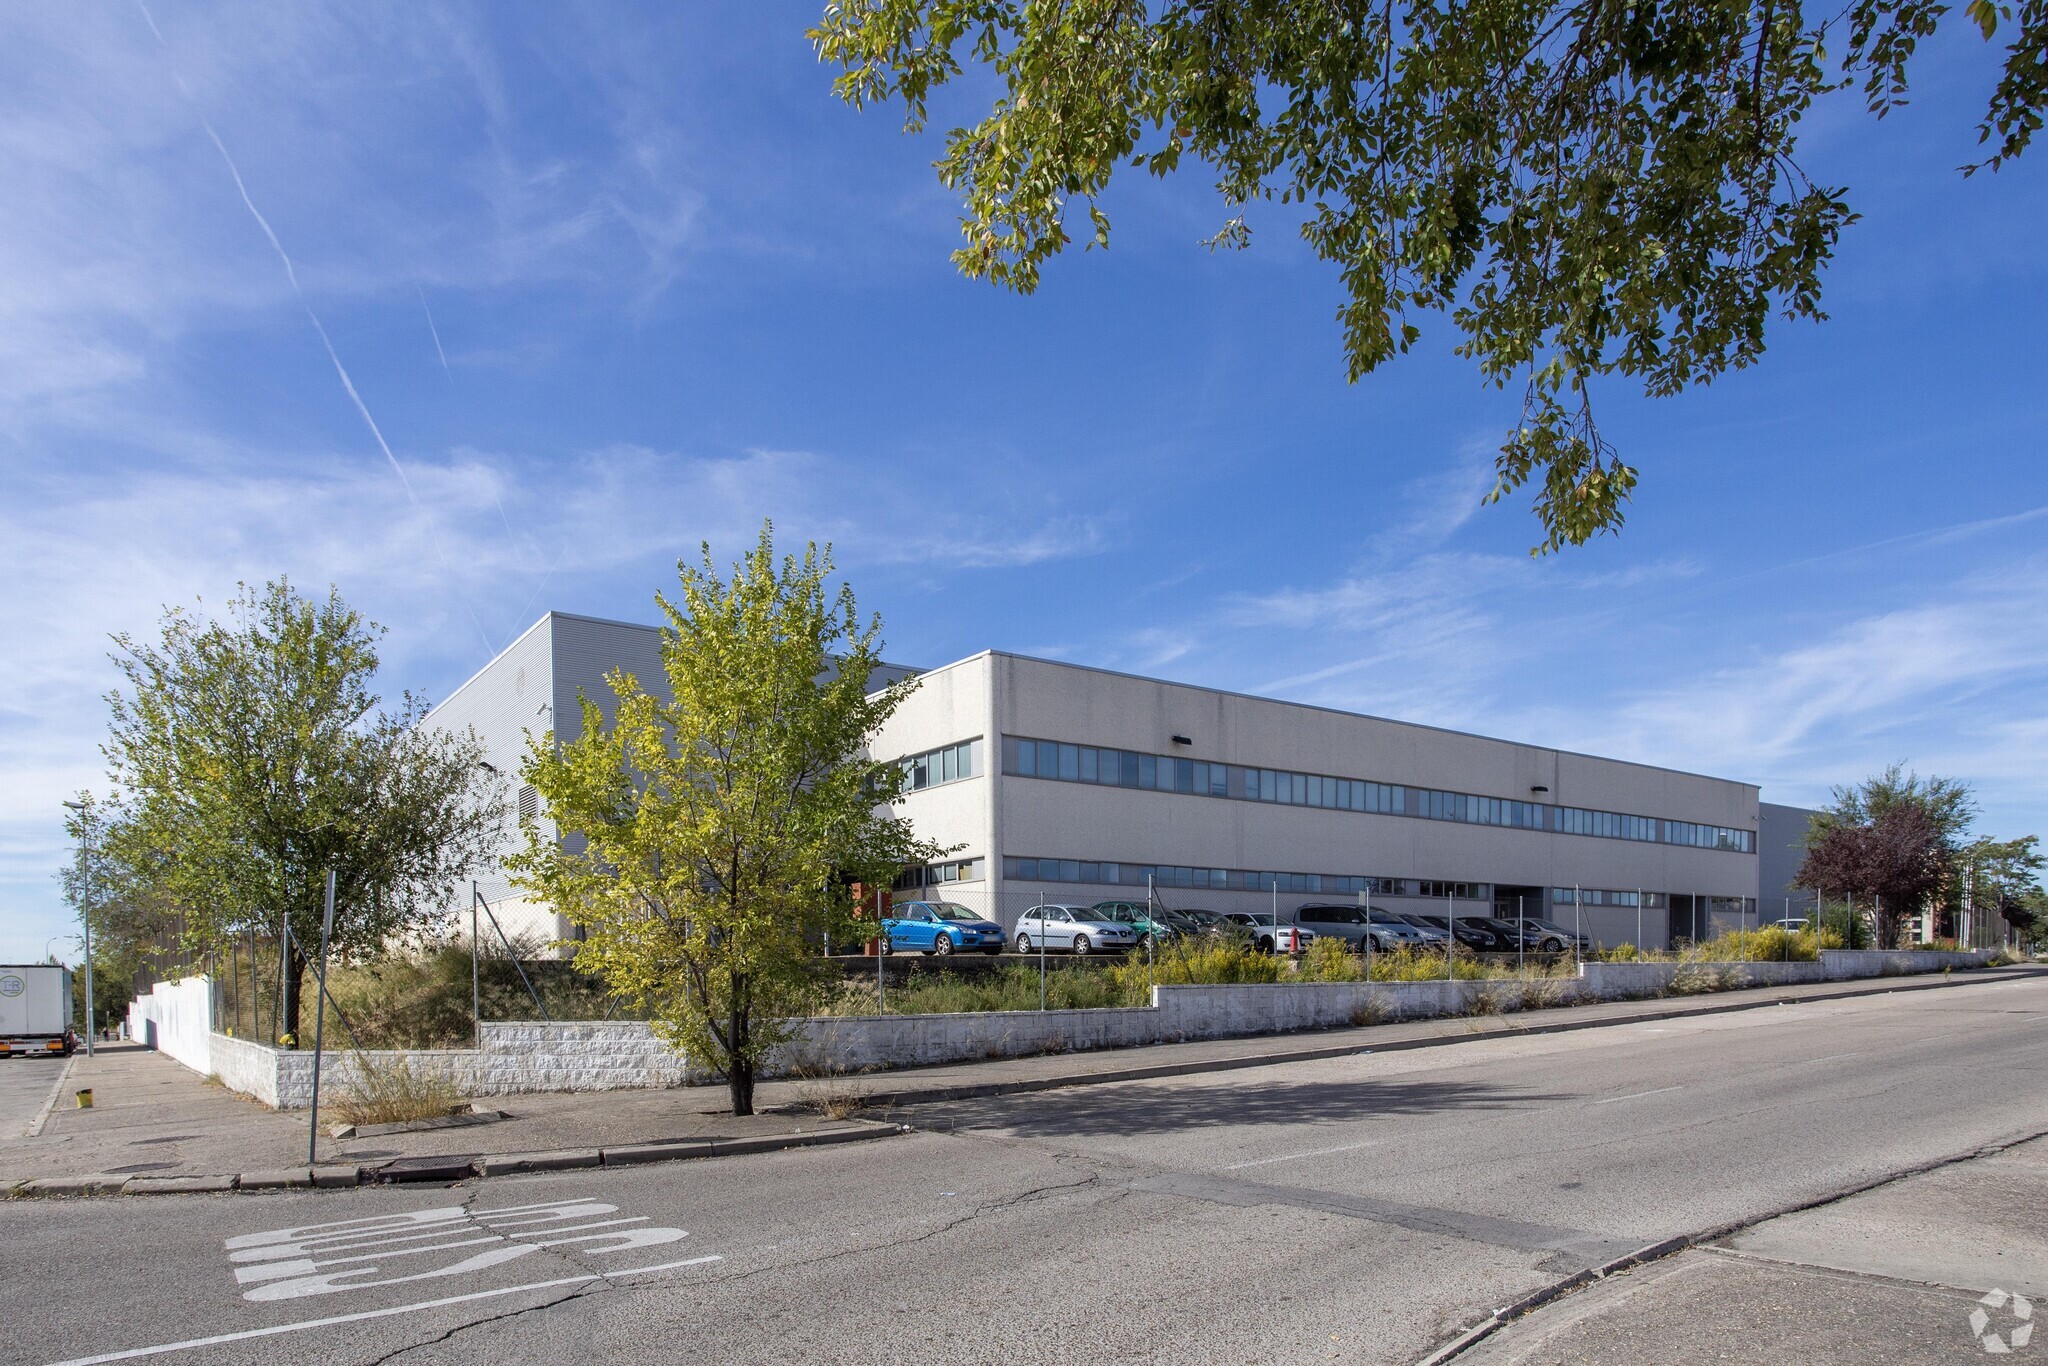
<point x="394" y="1092"/>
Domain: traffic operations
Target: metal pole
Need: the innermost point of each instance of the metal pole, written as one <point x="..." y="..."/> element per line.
<point x="320" y="1025"/>
<point x="1639" y="923"/>
<point x="1521" y="940"/>
<point x="881" y="1002"/>
<point x="1576" y="899"/>
<point x="538" y="1004"/>
<point x="284" y="951"/>
<point x="1151" y="938"/>
<point x="1041" y="952"/>
<point x="476" y="998"/>
<point x="1365" y="900"/>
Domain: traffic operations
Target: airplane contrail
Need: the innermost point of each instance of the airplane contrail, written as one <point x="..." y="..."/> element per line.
<point x="434" y="531"/>
<point x="435" y="332"/>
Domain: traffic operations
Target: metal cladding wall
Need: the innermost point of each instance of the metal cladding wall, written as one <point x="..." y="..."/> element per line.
<point x="1010" y="815"/>
<point x="532" y="690"/>
<point x="1781" y="848"/>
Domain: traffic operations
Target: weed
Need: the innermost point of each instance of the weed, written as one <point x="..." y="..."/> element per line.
<point x="393" y="1091"/>
<point x="1370" y="1010"/>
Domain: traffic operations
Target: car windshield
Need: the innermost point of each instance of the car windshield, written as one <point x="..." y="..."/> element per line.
<point x="1387" y="918"/>
<point x="948" y="911"/>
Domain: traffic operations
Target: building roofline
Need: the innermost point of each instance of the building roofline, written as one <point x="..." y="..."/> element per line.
<point x="1339" y="711"/>
<point x="551" y="614"/>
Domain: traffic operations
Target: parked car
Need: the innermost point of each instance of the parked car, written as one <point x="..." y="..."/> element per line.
<point x="1433" y="936"/>
<point x="1514" y="931"/>
<point x="1472" y="932"/>
<point x="1551" y="937"/>
<point x="939" y="927"/>
<point x="1383" y="931"/>
<point x="1268" y="937"/>
<point x="1153" y="925"/>
<point x="1080" y="929"/>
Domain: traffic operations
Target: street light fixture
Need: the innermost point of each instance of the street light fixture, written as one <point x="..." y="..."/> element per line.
<point x="85" y="917"/>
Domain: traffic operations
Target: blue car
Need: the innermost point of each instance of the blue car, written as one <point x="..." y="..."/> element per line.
<point x="938" y="927"/>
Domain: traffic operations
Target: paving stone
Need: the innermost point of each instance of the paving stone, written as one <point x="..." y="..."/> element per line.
<point x="95" y="1184"/>
<point x="504" y="1164"/>
<point x="177" y="1185"/>
<point x="656" y="1152"/>
<point x="336" y="1176"/>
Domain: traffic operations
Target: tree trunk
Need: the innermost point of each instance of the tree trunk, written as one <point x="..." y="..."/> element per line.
<point x="739" y="1069"/>
<point x="294" y="990"/>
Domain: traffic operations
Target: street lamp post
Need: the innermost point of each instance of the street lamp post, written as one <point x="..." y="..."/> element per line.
<point x="85" y="917"/>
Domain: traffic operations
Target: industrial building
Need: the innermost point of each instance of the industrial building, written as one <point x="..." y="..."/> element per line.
<point x="1054" y="781"/>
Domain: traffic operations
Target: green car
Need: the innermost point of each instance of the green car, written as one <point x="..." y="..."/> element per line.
<point x="1153" y="925"/>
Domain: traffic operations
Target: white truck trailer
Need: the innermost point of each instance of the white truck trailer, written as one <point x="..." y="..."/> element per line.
<point x="35" y="1010"/>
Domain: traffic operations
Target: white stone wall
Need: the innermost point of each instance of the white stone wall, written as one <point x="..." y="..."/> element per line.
<point x="616" y="1055"/>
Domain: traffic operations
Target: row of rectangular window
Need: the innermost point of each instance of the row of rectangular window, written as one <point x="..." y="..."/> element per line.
<point x="938" y="874"/>
<point x="936" y="766"/>
<point x="1159" y="772"/>
<point x="1102" y="873"/>
<point x="1216" y="879"/>
<point x="1597" y="896"/>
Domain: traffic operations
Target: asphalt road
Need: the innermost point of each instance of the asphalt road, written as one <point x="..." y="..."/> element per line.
<point x="25" y="1083"/>
<point x="1358" y="1209"/>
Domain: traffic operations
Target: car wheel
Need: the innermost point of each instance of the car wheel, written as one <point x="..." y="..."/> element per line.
<point x="887" y="947"/>
<point x="1148" y="942"/>
<point x="1081" y="946"/>
<point x="1023" y="943"/>
<point x="1265" y="945"/>
<point x="943" y="945"/>
<point x="1553" y="946"/>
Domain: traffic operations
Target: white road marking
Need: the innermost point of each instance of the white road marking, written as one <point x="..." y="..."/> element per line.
<point x="163" y="1347"/>
<point x="1296" y="1157"/>
<point x="348" y="1254"/>
<point x="1637" y="1095"/>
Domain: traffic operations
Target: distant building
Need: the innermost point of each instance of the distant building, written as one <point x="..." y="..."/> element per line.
<point x="1781" y="848"/>
<point x="1065" y="783"/>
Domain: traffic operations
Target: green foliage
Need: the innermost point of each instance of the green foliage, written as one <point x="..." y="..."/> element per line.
<point x="1330" y="960"/>
<point x="1201" y="961"/>
<point x="1584" y="190"/>
<point x="250" y="758"/>
<point x="698" y="838"/>
<point x="1410" y="965"/>
<point x="1012" y="986"/>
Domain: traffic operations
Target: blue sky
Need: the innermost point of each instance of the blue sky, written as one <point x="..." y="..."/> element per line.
<point x="611" y="280"/>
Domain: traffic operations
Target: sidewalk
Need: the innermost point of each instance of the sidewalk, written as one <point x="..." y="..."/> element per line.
<point x="154" y="1119"/>
<point x="1921" y="1269"/>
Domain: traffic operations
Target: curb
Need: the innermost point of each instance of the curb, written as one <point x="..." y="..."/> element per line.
<point x="1154" y="1071"/>
<point x="1653" y="1252"/>
<point x="445" y="1169"/>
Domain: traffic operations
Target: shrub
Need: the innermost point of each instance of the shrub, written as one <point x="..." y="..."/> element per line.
<point x="1207" y="962"/>
<point x="1330" y="960"/>
<point x="392" y="1091"/>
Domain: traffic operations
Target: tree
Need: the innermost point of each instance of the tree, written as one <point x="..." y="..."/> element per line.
<point x="699" y="836"/>
<point x="1585" y="188"/>
<point x="1893" y="841"/>
<point x="250" y="758"/>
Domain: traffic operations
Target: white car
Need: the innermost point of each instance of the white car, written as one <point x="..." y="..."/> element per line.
<point x="1081" y="929"/>
<point x="1268" y="937"/>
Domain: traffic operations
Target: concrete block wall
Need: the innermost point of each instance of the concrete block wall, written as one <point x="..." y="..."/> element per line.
<point x="600" y="1055"/>
<point x="613" y="1055"/>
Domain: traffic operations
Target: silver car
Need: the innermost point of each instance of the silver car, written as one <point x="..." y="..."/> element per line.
<point x="1080" y="929"/>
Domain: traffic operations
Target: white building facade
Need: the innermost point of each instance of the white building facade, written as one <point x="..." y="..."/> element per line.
<point x="1056" y="782"/>
<point x="1065" y="783"/>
